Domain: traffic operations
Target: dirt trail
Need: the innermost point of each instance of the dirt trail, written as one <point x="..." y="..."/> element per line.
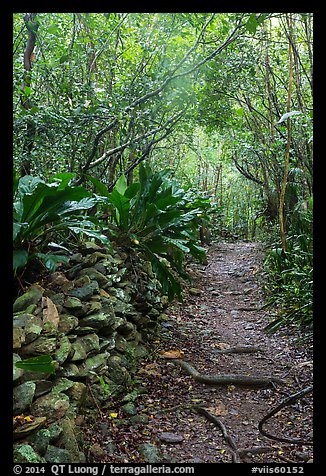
<point x="221" y="311"/>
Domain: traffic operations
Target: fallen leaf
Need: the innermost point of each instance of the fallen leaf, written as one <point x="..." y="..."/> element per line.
<point x="172" y="354"/>
<point x="222" y="345"/>
<point x="50" y="311"/>
<point x="219" y="409"/>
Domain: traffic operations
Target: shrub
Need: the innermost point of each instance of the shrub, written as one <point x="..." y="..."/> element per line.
<point x="41" y="209"/>
<point x="159" y="218"/>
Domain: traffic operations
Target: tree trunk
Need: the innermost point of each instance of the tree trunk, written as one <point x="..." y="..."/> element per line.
<point x="29" y="56"/>
<point x="288" y="144"/>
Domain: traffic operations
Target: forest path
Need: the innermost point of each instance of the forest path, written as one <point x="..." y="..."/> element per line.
<point x="222" y="310"/>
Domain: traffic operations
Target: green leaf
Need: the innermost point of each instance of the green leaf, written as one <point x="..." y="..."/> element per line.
<point x="252" y="24"/>
<point x="100" y="187"/>
<point x="20" y="258"/>
<point x="34" y="109"/>
<point x="121" y="184"/>
<point x="64" y="59"/>
<point x="43" y="363"/>
<point x="51" y="261"/>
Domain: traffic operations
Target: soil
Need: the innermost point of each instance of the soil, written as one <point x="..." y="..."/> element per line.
<point x="222" y="309"/>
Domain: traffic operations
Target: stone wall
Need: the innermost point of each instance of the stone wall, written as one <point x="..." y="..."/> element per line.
<point x="90" y="317"/>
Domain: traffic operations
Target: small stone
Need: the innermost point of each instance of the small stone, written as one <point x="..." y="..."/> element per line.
<point x="168" y="437"/>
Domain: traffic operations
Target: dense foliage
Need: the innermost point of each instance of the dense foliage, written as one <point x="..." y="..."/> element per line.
<point x="224" y="101"/>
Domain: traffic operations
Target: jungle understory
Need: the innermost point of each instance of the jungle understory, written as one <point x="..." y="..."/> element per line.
<point x="198" y="402"/>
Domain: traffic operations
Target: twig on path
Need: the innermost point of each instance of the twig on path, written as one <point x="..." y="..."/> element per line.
<point x="288" y="401"/>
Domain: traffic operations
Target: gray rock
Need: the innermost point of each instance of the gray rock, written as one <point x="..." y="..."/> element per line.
<point x="58" y="299"/>
<point x="106" y="324"/>
<point x="42" y="438"/>
<point x="77" y="392"/>
<point x="95" y="275"/>
<point x="150" y="453"/>
<point x="64" y="350"/>
<point x="96" y="363"/>
<point x="69" y="370"/>
<point x="121" y="343"/>
<point x="18" y="338"/>
<point x="32" y="296"/>
<point x="42" y="345"/>
<point x="126" y="328"/>
<point x="82" y="281"/>
<point x="52" y="405"/>
<point x="85" y="292"/>
<point x="67" y="323"/>
<point x="29" y="310"/>
<point x="24" y="453"/>
<point x="68" y="440"/>
<point x="79" y="353"/>
<point x="17" y="373"/>
<point x="42" y="387"/>
<point x="107" y="343"/>
<point x="62" y="385"/>
<point x="57" y="455"/>
<point x="72" y="303"/>
<point x="116" y="371"/>
<point x="23" y="396"/>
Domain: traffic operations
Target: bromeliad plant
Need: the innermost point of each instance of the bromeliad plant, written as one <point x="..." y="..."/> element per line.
<point x="41" y="209"/>
<point x="158" y="217"/>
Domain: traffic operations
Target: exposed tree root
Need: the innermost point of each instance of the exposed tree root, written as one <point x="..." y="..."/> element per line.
<point x="229" y="440"/>
<point x="228" y="379"/>
<point x="288" y="401"/>
<point x="236" y="453"/>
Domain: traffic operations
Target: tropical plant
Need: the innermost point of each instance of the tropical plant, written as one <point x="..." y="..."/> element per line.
<point x="159" y="218"/>
<point x="41" y="209"/>
<point x="290" y="284"/>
